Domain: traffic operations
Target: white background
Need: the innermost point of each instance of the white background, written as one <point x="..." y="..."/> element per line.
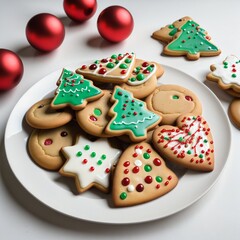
<point x="216" y="215"/>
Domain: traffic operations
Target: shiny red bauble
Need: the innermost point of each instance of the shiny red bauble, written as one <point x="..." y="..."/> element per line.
<point x="115" y="23"/>
<point x="11" y="69"/>
<point x="45" y="32"/>
<point x="80" y="10"/>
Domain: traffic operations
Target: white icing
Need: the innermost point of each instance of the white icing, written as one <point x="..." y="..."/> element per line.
<point x="73" y="91"/>
<point x="134" y="123"/>
<point x="130" y="188"/>
<point x="226" y="73"/>
<point x="138" y="163"/>
<point x="194" y="146"/>
<point x="109" y="70"/>
<point x="147" y="76"/>
<point x="76" y="166"/>
<point x="138" y="151"/>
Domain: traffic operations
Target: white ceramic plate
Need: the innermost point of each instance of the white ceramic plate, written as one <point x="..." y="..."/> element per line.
<point x="54" y="191"/>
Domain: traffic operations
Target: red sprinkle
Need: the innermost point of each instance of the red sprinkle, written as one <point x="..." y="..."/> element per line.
<point x="91" y="169"/>
<point x="102" y="71"/>
<point x="135" y="169"/>
<point x="126" y="164"/>
<point x="93" y="118"/>
<point x="48" y="141"/>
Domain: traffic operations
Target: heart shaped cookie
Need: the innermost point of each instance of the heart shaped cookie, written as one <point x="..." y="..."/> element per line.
<point x="190" y="144"/>
<point x="141" y="176"/>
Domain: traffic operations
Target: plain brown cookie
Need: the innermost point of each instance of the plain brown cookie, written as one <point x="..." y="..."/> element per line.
<point x="42" y="116"/>
<point x="234" y="112"/>
<point x="44" y="145"/>
<point x="170" y="101"/>
<point x="94" y="118"/>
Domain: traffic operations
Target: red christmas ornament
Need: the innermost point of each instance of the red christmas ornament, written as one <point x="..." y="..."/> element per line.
<point x="11" y="69"/>
<point x="80" y="10"/>
<point x="115" y="23"/>
<point x="45" y="32"/>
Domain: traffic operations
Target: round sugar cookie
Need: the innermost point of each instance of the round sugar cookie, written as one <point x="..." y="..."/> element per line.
<point x="44" y="145"/>
<point x="234" y="112"/>
<point x="171" y="101"/>
<point x="40" y="115"/>
<point x="94" y="118"/>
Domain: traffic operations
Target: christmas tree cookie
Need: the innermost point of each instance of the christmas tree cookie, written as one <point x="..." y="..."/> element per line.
<point x="143" y="79"/>
<point x="190" y="144"/>
<point x="186" y="37"/>
<point x="130" y="116"/>
<point x="74" y="91"/>
<point x="227" y="74"/>
<point x="90" y="163"/>
<point x="141" y="176"/>
<point x="114" y="69"/>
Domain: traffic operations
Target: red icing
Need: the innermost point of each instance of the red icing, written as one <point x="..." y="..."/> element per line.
<point x="48" y="142"/>
<point x="125" y="181"/>
<point x="93" y="118"/>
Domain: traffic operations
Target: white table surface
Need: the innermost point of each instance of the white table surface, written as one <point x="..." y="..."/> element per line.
<point x="217" y="214"/>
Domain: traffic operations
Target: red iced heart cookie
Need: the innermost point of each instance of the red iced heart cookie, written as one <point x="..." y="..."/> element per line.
<point x="189" y="145"/>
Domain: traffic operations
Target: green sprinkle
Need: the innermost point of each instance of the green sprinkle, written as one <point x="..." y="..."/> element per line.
<point x="123" y="195"/>
<point x="166" y="138"/>
<point x="103" y="157"/>
<point x="140" y="77"/>
<point x="200" y="156"/>
<point x="146" y="155"/>
<point x="189" y="133"/>
<point x="158" y="179"/>
<point x="205" y="140"/>
<point x="147" y="168"/>
<point x="97" y="112"/>
<point x="181" y="139"/>
<point x="93" y="154"/>
<point x="87" y="147"/>
<point x="123" y="66"/>
<point x="110" y="65"/>
<point x="234" y="75"/>
<point x="99" y="162"/>
<point x="96" y="62"/>
<point x="114" y="56"/>
<point x="189" y="152"/>
<point x="171" y="26"/>
<point x="175" y="97"/>
<point x="132" y="79"/>
<point x="79" y="154"/>
<point x="128" y="60"/>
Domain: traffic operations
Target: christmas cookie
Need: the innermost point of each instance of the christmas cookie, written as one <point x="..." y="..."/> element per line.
<point x="94" y="118"/>
<point x="186" y="37"/>
<point x="170" y="101"/>
<point x="113" y="69"/>
<point x="42" y="116"/>
<point x="74" y="91"/>
<point x="90" y="163"/>
<point x="143" y="79"/>
<point x="44" y="145"/>
<point x="227" y="74"/>
<point x="234" y="112"/>
<point x="141" y="176"/>
<point x="190" y="144"/>
<point x="130" y="116"/>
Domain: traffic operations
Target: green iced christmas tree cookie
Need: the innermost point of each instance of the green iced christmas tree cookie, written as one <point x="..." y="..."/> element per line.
<point x="74" y="91"/>
<point x="130" y="116"/>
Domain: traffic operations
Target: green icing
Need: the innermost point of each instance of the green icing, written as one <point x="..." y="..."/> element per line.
<point x="74" y="89"/>
<point x="192" y="39"/>
<point x="173" y="32"/>
<point x="97" y="112"/>
<point x="137" y="120"/>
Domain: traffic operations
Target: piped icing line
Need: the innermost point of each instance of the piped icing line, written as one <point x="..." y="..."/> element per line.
<point x="91" y="162"/>
<point x="135" y="123"/>
<point x="104" y="67"/>
<point x="228" y="71"/>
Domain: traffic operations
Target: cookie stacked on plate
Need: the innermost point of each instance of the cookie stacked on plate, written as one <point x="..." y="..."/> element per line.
<point x="111" y="126"/>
